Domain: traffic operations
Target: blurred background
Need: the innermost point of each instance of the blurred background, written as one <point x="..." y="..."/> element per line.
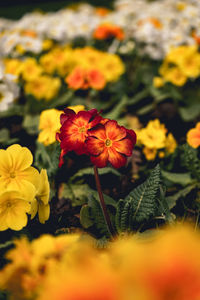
<point x="15" y="9"/>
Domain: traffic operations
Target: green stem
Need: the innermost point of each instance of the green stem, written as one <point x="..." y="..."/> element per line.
<point x="102" y="202"/>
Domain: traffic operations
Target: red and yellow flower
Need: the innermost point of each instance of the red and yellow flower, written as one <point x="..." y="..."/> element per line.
<point x="74" y="130"/>
<point x="105" y="31"/>
<point x="110" y="143"/>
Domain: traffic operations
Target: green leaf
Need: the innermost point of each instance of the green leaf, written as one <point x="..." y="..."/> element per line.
<point x="145" y="109"/>
<point x="140" y="205"/>
<point x="189" y="113"/>
<point x="178" y="178"/>
<point x="62" y="100"/>
<point x="31" y="123"/>
<point x="85" y="217"/>
<point x="4" y="135"/>
<point x="90" y="171"/>
<point x="171" y="200"/>
<point x="139" y="96"/>
<point x="116" y="112"/>
<point x="14" y="110"/>
<point x="47" y="158"/>
<point x="77" y="193"/>
<point x="191" y="161"/>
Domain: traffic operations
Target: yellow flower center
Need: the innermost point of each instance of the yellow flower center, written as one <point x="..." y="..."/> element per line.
<point x="108" y="143"/>
<point x="8" y="204"/>
<point x="82" y="129"/>
<point x="12" y="175"/>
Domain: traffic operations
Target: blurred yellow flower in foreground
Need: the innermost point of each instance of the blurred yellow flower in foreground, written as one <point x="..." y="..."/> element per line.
<point x="49" y="125"/>
<point x="77" y="108"/>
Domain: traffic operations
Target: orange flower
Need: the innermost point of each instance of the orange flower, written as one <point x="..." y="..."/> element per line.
<point x="106" y="31"/>
<point x="110" y="143"/>
<point x="193" y="136"/>
<point x="96" y="79"/>
<point x="83" y="79"/>
<point x="76" y="79"/>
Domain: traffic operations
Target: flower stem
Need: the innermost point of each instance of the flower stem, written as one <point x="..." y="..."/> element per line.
<point x="102" y="202"/>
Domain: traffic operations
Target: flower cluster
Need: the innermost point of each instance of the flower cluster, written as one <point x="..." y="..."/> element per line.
<point x="165" y="266"/>
<point x="155" y="140"/>
<point x="102" y="139"/>
<point x="180" y="64"/>
<point x="23" y="189"/>
<point x="193" y="136"/>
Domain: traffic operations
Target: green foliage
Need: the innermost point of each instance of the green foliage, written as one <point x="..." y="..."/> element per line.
<point x="30" y="123"/>
<point x="47" y="157"/>
<point x="191" y="161"/>
<point x="141" y="204"/>
<point x="90" y="171"/>
<point x="91" y="214"/>
<point x="77" y="193"/>
<point x="178" y="178"/>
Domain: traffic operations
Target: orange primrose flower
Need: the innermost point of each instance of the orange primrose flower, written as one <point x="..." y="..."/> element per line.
<point x="83" y="79"/>
<point x="110" y="143"/>
<point x="193" y="136"/>
<point x="106" y="31"/>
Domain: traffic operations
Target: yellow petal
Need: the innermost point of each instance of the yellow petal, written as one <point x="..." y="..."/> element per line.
<point x="43" y="213"/>
<point x="34" y="208"/>
<point x="44" y="188"/>
<point x="21" y="157"/>
<point x="5" y="162"/>
<point x="32" y="175"/>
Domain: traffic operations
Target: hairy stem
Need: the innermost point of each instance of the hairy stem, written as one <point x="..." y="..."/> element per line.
<point x="102" y="202"/>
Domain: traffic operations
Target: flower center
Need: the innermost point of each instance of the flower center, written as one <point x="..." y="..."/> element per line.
<point x="1" y="96"/>
<point x="12" y="175"/>
<point x="8" y="204"/>
<point x="82" y="129"/>
<point x="108" y="143"/>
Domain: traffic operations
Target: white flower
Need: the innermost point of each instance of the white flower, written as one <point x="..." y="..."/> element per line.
<point x="6" y="97"/>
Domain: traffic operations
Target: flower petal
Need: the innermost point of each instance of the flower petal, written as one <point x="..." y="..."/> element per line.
<point x="21" y="157"/>
<point x="114" y="132"/>
<point x="43" y="212"/>
<point x="124" y="146"/>
<point x="5" y="162"/>
<point x="98" y="132"/>
<point x="115" y="158"/>
<point x="101" y="160"/>
<point x="94" y="146"/>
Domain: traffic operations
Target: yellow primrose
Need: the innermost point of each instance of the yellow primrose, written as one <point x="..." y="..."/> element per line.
<point x="30" y="69"/>
<point x="150" y="153"/>
<point x="13" y="66"/>
<point x="16" y="172"/>
<point x="190" y="65"/>
<point x="47" y="44"/>
<point x="112" y="67"/>
<point x="152" y="136"/>
<point x="158" y="82"/>
<point x="41" y="201"/>
<point x="43" y="87"/>
<point x="170" y="143"/>
<point x="14" y="208"/>
<point x="49" y="125"/>
<point x="175" y="76"/>
<point x="77" y="108"/>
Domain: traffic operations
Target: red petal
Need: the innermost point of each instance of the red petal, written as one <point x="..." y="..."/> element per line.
<point x="131" y="135"/>
<point x="124" y="146"/>
<point x="68" y="113"/>
<point x="101" y="160"/>
<point x="94" y="146"/>
<point x="113" y="131"/>
<point x="115" y="158"/>
<point x="98" y="132"/>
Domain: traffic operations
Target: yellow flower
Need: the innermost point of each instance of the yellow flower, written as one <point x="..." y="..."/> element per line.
<point x="43" y="87"/>
<point x="77" y="108"/>
<point x="150" y="153"/>
<point x="112" y="67"/>
<point x="190" y="65"/>
<point x="49" y="125"/>
<point x="16" y="172"/>
<point x="41" y="201"/>
<point x="14" y="208"/>
<point x="158" y="82"/>
<point x="170" y="143"/>
<point x="153" y="136"/>
<point x="30" y="69"/>
<point x="13" y="66"/>
<point x="47" y="44"/>
<point x="175" y="76"/>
